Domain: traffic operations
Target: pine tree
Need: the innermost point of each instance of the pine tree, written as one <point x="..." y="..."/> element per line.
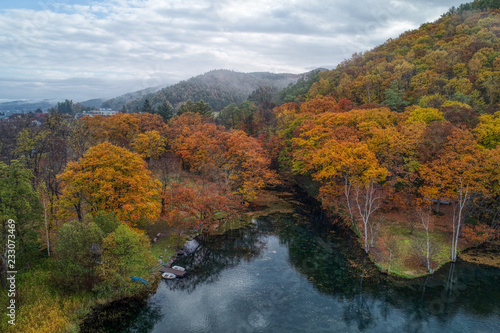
<point x="394" y="97"/>
<point x="166" y="111"/>
<point x="147" y="108"/>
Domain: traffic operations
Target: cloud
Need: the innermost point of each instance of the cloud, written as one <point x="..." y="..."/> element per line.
<point x="134" y="43"/>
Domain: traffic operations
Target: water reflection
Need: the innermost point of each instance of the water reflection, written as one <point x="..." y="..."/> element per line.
<point x="339" y="272"/>
<point x="279" y="275"/>
<point x="126" y="316"/>
<point x="218" y="253"/>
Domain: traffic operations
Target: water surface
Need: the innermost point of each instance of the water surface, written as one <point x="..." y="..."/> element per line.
<point x="280" y="275"/>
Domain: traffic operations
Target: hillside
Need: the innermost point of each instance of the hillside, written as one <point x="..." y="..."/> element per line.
<point x="24" y="106"/>
<point x="456" y="58"/>
<point x="402" y="143"/>
<point x="92" y="103"/>
<point x="218" y="88"/>
<point x="118" y="102"/>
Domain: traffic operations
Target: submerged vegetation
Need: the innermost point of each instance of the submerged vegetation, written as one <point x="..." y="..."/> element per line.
<point x="399" y="144"/>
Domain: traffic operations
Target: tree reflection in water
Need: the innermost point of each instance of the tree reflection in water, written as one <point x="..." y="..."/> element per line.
<point x="125" y="316"/>
<point x="218" y="253"/>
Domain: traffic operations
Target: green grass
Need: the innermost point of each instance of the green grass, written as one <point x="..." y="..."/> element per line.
<point x="169" y="243"/>
<point x="405" y="260"/>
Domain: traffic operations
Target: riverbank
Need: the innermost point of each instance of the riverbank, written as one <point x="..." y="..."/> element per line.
<point x="399" y="245"/>
<point x="402" y="245"/>
<point x="485" y="254"/>
<point x="44" y="308"/>
<point x="288" y="272"/>
<point x="170" y="240"/>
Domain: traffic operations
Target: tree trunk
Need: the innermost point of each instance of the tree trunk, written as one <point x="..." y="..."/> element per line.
<point x="427" y="255"/>
<point x="390" y="259"/>
<point x="458" y="217"/>
<point x="366" y="206"/>
<point x="46" y="228"/>
<point x="347" y="191"/>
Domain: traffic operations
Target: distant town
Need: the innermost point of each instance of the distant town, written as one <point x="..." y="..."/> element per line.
<point x="39" y="112"/>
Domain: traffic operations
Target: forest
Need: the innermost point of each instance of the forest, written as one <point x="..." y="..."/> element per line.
<point x="218" y="88"/>
<point x="399" y="145"/>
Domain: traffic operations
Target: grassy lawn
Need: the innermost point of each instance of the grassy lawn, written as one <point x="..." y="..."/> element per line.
<point x="409" y="250"/>
<point x="166" y="247"/>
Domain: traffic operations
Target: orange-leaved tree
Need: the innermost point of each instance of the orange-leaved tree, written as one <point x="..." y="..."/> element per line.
<point x="343" y="166"/>
<point x="119" y="129"/>
<point x="198" y="205"/>
<point x="355" y="169"/>
<point x="187" y="133"/>
<point x="239" y="162"/>
<point x="231" y="159"/>
<point x="457" y="175"/>
<point x="113" y="179"/>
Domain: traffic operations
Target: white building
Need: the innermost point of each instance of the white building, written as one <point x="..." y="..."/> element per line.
<point x="101" y="112"/>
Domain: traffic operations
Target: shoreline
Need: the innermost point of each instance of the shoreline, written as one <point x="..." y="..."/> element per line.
<point x="466" y="252"/>
<point x="270" y="201"/>
<point x="487" y="254"/>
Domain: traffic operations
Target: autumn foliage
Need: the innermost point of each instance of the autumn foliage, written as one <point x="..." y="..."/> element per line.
<point x="411" y="124"/>
<point x="232" y="159"/>
<point x="113" y="179"/>
<point x="198" y="205"/>
<point x="369" y="156"/>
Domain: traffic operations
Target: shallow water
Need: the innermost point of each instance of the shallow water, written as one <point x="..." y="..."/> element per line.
<point x="279" y="275"/>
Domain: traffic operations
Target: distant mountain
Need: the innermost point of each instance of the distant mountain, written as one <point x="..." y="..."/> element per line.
<point x="93" y="103"/>
<point x="22" y="106"/>
<point x="117" y="103"/>
<point x="218" y="88"/>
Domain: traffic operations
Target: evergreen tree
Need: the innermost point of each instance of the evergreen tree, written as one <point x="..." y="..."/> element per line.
<point x="166" y="111"/>
<point x="394" y="97"/>
<point x="64" y="107"/>
<point x="200" y="107"/>
<point x="147" y="108"/>
<point x="203" y="108"/>
<point x="227" y="117"/>
<point x="186" y="107"/>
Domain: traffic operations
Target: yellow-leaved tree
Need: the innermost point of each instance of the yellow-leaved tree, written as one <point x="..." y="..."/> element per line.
<point x="112" y="179"/>
<point x="150" y="145"/>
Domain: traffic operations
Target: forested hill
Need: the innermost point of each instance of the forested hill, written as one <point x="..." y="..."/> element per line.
<point x="117" y="103"/>
<point x="400" y="130"/>
<point x="456" y="58"/>
<point x="218" y="88"/>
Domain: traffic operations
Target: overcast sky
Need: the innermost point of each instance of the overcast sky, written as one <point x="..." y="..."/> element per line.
<point x="57" y="49"/>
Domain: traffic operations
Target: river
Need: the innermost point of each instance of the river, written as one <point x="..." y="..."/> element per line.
<point x="293" y="273"/>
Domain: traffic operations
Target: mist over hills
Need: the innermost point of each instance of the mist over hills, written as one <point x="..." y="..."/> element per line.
<point x="25" y="106"/>
<point x="117" y="103"/>
<point x="218" y="88"/>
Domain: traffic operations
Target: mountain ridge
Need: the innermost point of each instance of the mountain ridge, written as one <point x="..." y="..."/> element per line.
<point x="218" y="88"/>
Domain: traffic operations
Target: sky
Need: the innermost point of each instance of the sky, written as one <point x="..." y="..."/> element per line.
<point x="62" y="49"/>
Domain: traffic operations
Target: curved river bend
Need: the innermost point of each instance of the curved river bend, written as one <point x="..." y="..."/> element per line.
<point x="280" y="275"/>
